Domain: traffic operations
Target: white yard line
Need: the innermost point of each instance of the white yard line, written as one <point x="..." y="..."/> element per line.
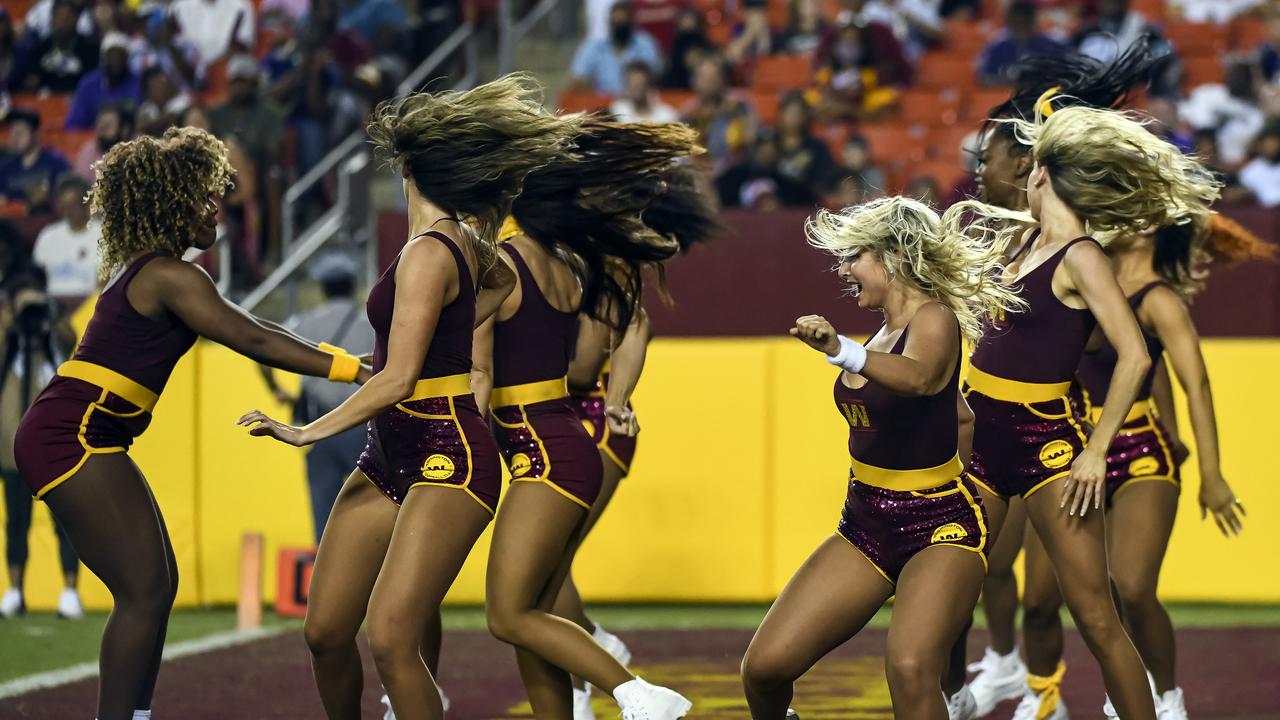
<point x="66" y="675"/>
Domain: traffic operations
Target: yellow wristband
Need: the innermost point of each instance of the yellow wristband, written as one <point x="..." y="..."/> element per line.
<point x="333" y="349"/>
<point x="345" y="368"/>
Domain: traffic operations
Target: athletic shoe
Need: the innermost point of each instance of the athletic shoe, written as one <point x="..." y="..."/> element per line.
<point x="12" y="604"/>
<point x="999" y="678"/>
<point x="582" y="705"/>
<point x="792" y="714"/>
<point x="69" y="607"/>
<point x="612" y="645"/>
<point x="1109" y="710"/>
<point x="962" y="706"/>
<point x="391" y="714"/>
<point x="1171" y="706"/>
<point x="641" y="701"/>
<point x="1029" y="709"/>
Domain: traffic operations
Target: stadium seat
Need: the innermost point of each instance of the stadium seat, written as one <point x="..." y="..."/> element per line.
<point x="1154" y="10"/>
<point x="720" y="33"/>
<point x="782" y="72"/>
<point x="968" y="38"/>
<point x="68" y="142"/>
<point x="947" y="174"/>
<point x="1202" y="70"/>
<point x="979" y="102"/>
<point x="942" y="70"/>
<point x="583" y="101"/>
<point x="677" y="99"/>
<point x="765" y="104"/>
<point x="1192" y="39"/>
<point x="1247" y="33"/>
<point x="933" y="108"/>
<point x="894" y="144"/>
<point x="944" y="143"/>
<point x="778" y="14"/>
<point x="834" y="135"/>
<point x="51" y="108"/>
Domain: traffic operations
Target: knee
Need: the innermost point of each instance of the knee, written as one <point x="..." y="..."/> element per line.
<point x="1135" y="593"/>
<point x="391" y="644"/>
<point x="767" y="669"/>
<point x="506" y="622"/>
<point x="325" y="637"/>
<point x="1040" y="610"/>
<point x="1097" y="619"/>
<point x="152" y="593"/>
<point x="913" y="671"/>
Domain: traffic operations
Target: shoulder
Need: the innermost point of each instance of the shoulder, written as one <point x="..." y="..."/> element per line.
<point x="427" y="254"/>
<point x="935" y="320"/>
<point x="171" y="271"/>
<point x="1163" y="301"/>
<point x="1085" y="253"/>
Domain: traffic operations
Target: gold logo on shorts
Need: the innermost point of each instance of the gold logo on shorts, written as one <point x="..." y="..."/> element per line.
<point x="1056" y="454"/>
<point x="1144" y="466"/>
<point x="438" y="467"/>
<point x="520" y="465"/>
<point x="951" y="532"/>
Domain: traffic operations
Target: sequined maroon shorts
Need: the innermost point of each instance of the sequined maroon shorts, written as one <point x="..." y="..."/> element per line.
<point x="439" y="441"/>
<point x="1018" y="448"/>
<point x="618" y="448"/>
<point x="545" y="442"/>
<point x="891" y="526"/>
<point x="69" y="421"/>
<point x="1140" y="452"/>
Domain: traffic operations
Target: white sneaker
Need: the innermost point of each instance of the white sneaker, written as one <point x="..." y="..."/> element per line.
<point x="582" y="705"/>
<point x="69" y="606"/>
<point x="1029" y="709"/>
<point x="613" y="645"/>
<point x="12" y="604"/>
<point x="391" y="714"/>
<point x="1109" y="710"/>
<point x="999" y="678"/>
<point x="962" y="706"/>
<point x="1171" y="706"/>
<point x="640" y="700"/>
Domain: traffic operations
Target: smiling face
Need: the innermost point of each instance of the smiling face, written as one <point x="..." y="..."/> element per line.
<point x="867" y="277"/>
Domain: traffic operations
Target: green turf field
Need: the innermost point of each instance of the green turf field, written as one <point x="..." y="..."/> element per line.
<point x="41" y="642"/>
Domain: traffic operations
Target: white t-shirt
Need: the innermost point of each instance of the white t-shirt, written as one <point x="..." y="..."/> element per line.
<point x="1237" y="121"/>
<point x="69" y="258"/>
<point x="1219" y="11"/>
<point x="659" y="112"/>
<point x="1263" y="179"/>
<point x="207" y="24"/>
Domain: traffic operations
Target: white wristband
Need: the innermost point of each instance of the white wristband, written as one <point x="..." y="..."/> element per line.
<point x="851" y="358"/>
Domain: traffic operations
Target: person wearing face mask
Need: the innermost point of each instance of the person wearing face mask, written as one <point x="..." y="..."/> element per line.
<point x="912" y="525"/>
<point x="600" y="63"/>
<point x="688" y="49"/>
<point x="1261" y="175"/>
<point x="157" y="199"/>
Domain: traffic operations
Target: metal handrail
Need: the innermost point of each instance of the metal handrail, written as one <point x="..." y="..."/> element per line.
<point x="512" y="31"/>
<point x="416" y="79"/>
<point x="312" y="239"/>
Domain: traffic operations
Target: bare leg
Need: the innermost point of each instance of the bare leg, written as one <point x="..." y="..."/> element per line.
<point x="937" y="592"/>
<point x="347" y="564"/>
<point x="830" y="598"/>
<point x="1077" y="548"/>
<point x="432" y="636"/>
<point x="1000" y="589"/>
<point x="536" y="532"/>
<point x="569" y="602"/>
<point x="433" y="535"/>
<point x="997" y="509"/>
<point x="1042" y="617"/>
<point x="1139" y="526"/>
<point x="108" y="512"/>
<point x="148" y="688"/>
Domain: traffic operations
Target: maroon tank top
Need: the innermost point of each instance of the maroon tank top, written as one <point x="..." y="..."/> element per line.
<point x="120" y="338"/>
<point x="1097" y="365"/>
<point x="450" y="350"/>
<point x="897" y="432"/>
<point x="537" y="342"/>
<point x="1042" y="343"/>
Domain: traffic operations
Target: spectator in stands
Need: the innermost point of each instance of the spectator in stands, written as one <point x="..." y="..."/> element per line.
<point x="857" y="161"/>
<point x="1216" y="11"/>
<point x="1117" y="27"/>
<point x="1164" y="113"/>
<point x="67" y="250"/>
<point x="847" y="191"/>
<point x="368" y="18"/>
<point x="254" y="120"/>
<point x="302" y="78"/>
<point x="108" y="17"/>
<point x="724" y="122"/>
<point x="1269" y="51"/>
<point x="216" y="27"/>
<point x="805" y="27"/>
<point x="639" y="101"/>
<point x="752" y="37"/>
<point x="348" y="49"/>
<point x="31" y="171"/>
<point x="804" y="158"/>
<point x="162" y="102"/>
<point x="656" y="17"/>
<point x="860" y="68"/>
<point x="1262" y="174"/>
<point x="1204" y="145"/>
<point x="114" y="124"/>
<point x="688" y="48"/>
<point x="60" y="59"/>
<point x="1230" y="109"/>
<point x="38" y="23"/>
<point x="1019" y="39"/>
<point x="741" y="186"/>
<point x="599" y="63"/>
<point x="966" y="10"/>
<point x="915" y="23"/>
<point x="925" y="189"/>
<point x="8" y="52"/>
<point x="163" y="47"/>
<point x="113" y="82"/>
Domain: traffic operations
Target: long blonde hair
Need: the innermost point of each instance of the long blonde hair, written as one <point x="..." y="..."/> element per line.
<point x="956" y="259"/>
<point x="1116" y="175"/>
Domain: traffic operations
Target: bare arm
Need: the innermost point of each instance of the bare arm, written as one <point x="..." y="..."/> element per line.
<point x="423" y="278"/>
<point x="589" y="355"/>
<point x="1090" y="273"/>
<point x="1172" y="322"/>
<point x="1162" y="395"/>
<point x="496" y="284"/>
<point x="482" y="365"/>
<point x="964" y="437"/>
<point x="625" y="368"/>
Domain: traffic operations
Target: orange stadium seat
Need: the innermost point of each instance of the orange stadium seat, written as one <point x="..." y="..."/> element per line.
<point x="1196" y="38"/>
<point x="677" y="99"/>
<point x="966" y="37"/>
<point x="945" y="143"/>
<point x="1203" y="70"/>
<point x="68" y="143"/>
<point x="980" y="101"/>
<point x="894" y="144"/>
<point x="942" y="70"/>
<point x="51" y="108"/>
<point x="583" y="101"/>
<point x="720" y="33"/>
<point x="834" y="135"/>
<point x="925" y="107"/>
<point x="765" y="104"/>
<point x="947" y="174"/>
<point x="777" y="10"/>
<point x="1154" y="10"/>
<point x="782" y="72"/>
<point x="1247" y="33"/>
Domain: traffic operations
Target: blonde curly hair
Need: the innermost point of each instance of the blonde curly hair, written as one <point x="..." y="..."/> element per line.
<point x="1115" y="174"/>
<point x="956" y="259"/>
<point x="151" y="193"/>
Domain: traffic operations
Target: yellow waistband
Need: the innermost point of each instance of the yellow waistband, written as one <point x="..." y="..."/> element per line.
<point x="111" y="381"/>
<point x="1137" y="412"/>
<point x="999" y="388"/>
<point x="906" y="480"/>
<point x="447" y="386"/>
<point x="529" y="393"/>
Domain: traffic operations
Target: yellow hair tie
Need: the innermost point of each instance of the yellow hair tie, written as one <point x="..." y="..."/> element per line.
<point x="510" y="228"/>
<point x="1043" y="106"/>
<point x="345" y="368"/>
<point x="1049" y="689"/>
<point x="332" y="349"/>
